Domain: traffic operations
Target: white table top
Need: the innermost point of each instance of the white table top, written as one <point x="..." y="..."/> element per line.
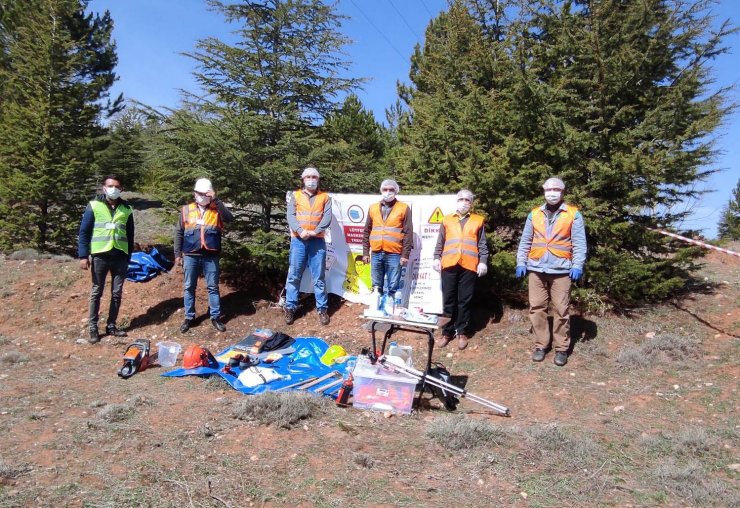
<point x="397" y="320"/>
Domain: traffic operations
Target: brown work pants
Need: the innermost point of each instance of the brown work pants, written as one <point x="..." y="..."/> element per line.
<point x="547" y="290"/>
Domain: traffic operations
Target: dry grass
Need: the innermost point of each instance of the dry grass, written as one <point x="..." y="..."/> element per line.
<point x="115" y="413"/>
<point x="13" y="357"/>
<point x="363" y="460"/>
<point x="284" y="409"/>
<point x="11" y="472"/>
<point x="462" y="433"/>
<point x="664" y="348"/>
<point x="689" y="480"/>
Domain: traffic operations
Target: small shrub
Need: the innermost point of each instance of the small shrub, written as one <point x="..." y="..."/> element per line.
<point x="113" y="413"/>
<point x="664" y="348"/>
<point x="4" y="340"/>
<point x="25" y="255"/>
<point x="10" y="472"/>
<point x="363" y="460"/>
<point x="564" y="445"/>
<point x="97" y="403"/>
<point x="284" y="409"/>
<point x="690" y="481"/>
<point x="13" y="357"/>
<point x="465" y="433"/>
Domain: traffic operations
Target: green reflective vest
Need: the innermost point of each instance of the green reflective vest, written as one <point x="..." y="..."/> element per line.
<point x="109" y="232"/>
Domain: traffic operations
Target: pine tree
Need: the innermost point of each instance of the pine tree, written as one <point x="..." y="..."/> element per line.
<point x="613" y="96"/>
<point x="56" y="70"/>
<point x="729" y="224"/>
<point x="264" y="98"/>
<point x="125" y="147"/>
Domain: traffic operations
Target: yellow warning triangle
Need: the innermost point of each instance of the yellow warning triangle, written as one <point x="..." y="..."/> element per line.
<point x="436" y="217"/>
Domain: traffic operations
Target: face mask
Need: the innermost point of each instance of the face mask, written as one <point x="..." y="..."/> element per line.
<point x="553" y="197"/>
<point x="311" y="184"/>
<point x="202" y="200"/>
<point x="112" y="192"/>
<point x="389" y="196"/>
<point x="463" y="206"/>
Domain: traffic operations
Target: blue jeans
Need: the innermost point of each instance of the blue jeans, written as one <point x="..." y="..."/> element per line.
<point x="385" y="267"/>
<point x="193" y="266"/>
<point x="311" y="252"/>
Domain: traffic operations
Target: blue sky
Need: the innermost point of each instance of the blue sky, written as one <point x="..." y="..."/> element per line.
<point x="152" y="70"/>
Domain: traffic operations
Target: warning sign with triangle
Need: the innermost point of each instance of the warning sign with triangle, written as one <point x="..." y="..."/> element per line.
<point x="437" y="216"/>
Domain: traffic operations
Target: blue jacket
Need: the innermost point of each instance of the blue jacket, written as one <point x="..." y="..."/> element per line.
<point x="550" y="263"/>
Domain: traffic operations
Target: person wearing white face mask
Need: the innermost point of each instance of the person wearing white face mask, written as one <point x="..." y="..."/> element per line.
<point x="198" y="250"/>
<point x="309" y="216"/>
<point x="461" y="254"/>
<point x="553" y="250"/>
<point x="387" y="240"/>
<point x="105" y="244"/>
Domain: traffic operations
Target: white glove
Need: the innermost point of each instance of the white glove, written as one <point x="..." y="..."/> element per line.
<point x="482" y="269"/>
<point x="437" y="265"/>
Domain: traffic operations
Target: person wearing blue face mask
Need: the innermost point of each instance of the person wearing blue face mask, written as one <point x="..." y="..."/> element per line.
<point x="105" y="244"/>
<point x="553" y="250"/>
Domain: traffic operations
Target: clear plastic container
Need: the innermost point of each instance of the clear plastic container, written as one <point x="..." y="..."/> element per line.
<point x="402" y="352"/>
<point x="167" y="353"/>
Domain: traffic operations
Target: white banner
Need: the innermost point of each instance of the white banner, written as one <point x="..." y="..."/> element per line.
<point x="346" y="274"/>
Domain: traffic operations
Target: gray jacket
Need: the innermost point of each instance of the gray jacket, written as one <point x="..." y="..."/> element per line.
<point x="549" y="263"/>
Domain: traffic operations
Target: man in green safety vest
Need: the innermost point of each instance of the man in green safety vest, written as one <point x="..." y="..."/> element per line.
<point x="105" y="244"/>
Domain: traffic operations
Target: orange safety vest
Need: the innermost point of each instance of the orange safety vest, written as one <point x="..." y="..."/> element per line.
<point x="201" y="232"/>
<point x="558" y="242"/>
<point x="461" y="244"/>
<point x="387" y="235"/>
<point x="309" y="216"/>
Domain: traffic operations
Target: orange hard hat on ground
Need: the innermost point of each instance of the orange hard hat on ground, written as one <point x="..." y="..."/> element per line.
<point x="197" y="356"/>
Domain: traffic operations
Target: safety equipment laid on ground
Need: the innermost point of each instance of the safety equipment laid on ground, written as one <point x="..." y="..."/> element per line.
<point x="433" y="381"/>
<point x="196" y="356"/>
<point x="255" y="376"/>
<point x="297" y="384"/>
<point x="334" y="352"/>
<point x="135" y="359"/>
<point x="323" y="378"/>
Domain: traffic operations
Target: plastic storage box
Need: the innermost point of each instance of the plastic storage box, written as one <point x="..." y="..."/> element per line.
<point x="380" y="389"/>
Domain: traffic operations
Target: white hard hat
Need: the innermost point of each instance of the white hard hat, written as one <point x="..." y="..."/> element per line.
<point x="389" y="183"/>
<point x="554" y="183"/>
<point x="310" y="171"/>
<point x="203" y="185"/>
<point x="465" y="194"/>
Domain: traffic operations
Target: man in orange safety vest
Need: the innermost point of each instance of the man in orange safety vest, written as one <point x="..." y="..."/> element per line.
<point x="461" y="256"/>
<point x="553" y="250"/>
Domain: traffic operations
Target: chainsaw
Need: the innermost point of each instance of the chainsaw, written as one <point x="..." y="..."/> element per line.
<point x="135" y="359"/>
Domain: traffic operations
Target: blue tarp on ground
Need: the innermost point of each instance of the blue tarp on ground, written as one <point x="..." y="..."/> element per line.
<point x="144" y="266"/>
<point x="302" y="364"/>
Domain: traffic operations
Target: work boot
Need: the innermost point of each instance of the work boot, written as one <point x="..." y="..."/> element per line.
<point x="94" y="336"/>
<point x="112" y="331"/>
<point x="443" y="340"/>
<point x="538" y="355"/>
<point x="323" y="317"/>
<point x="462" y="341"/>
<point x="185" y="326"/>
<point x="218" y="325"/>
<point x="561" y="358"/>
<point x="289" y="316"/>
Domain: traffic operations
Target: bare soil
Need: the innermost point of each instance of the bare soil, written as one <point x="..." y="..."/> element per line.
<point x="598" y="432"/>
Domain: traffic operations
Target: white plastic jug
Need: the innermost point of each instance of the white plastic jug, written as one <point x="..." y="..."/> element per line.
<point x="167" y="353"/>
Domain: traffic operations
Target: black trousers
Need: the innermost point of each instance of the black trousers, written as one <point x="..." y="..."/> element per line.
<point x="458" y="285"/>
<point x="115" y="262"/>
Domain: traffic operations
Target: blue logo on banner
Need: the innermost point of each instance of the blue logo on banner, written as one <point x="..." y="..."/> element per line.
<point x="355" y="213"/>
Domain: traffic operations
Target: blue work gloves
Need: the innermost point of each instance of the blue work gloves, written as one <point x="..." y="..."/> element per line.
<point x="521" y="271"/>
<point x="576" y="273"/>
